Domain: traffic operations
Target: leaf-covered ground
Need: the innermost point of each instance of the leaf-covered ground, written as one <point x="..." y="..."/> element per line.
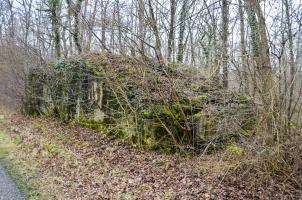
<point x="67" y="161"/>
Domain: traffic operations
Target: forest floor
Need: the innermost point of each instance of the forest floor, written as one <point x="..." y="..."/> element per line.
<point x="67" y="161"/>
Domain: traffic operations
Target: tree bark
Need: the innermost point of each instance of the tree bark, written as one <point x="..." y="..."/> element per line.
<point x="182" y="28"/>
<point x="243" y="51"/>
<point x="154" y="27"/>
<point x="291" y="59"/>
<point x="76" y="34"/>
<point x="104" y="23"/>
<point x="141" y="27"/>
<point x="224" y="38"/>
<point x="171" y="36"/>
<point x="263" y="66"/>
<point x="259" y="44"/>
<point x="54" y="9"/>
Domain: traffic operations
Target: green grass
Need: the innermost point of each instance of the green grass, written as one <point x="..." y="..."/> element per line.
<point x="19" y="171"/>
<point x="6" y="145"/>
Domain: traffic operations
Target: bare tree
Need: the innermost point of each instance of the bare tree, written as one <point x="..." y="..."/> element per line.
<point x="291" y="58"/>
<point x="260" y="46"/>
<point x="182" y="28"/>
<point x="243" y="52"/>
<point x="224" y="38"/>
<point x="75" y="11"/>
<point x="173" y="5"/>
<point x="54" y="8"/>
<point x="153" y="25"/>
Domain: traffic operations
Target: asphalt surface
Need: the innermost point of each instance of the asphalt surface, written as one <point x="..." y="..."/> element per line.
<point x="8" y="190"/>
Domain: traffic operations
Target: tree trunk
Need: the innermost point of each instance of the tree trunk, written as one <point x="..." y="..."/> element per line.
<point x="224" y="37"/>
<point x="291" y="60"/>
<point x="91" y="24"/>
<point x="259" y="44"/>
<point x="263" y="66"/>
<point x="103" y="23"/>
<point x="54" y="9"/>
<point x="119" y="28"/>
<point x="76" y="34"/>
<point x="141" y="27"/>
<point x="171" y="36"/>
<point x="243" y="51"/>
<point x="154" y="27"/>
<point x="182" y="28"/>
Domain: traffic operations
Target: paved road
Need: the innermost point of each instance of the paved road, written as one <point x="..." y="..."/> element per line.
<point x="8" y="190"/>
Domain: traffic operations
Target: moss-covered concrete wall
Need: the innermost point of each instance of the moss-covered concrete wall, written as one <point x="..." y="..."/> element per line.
<point x="157" y="108"/>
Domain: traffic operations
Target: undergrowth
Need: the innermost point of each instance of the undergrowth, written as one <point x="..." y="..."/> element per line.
<point x="271" y="169"/>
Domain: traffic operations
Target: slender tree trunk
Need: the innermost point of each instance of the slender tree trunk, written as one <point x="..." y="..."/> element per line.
<point x="182" y="28"/>
<point x="91" y="24"/>
<point x="11" y="20"/>
<point x="70" y="35"/>
<point x="154" y="27"/>
<point x="77" y="34"/>
<point x="119" y="27"/>
<point x="225" y="33"/>
<point x="104" y="22"/>
<point x="173" y="4"/>
<point x="192" y="47"/>
<point x="112" y="44"/>
<point x="28" y="13"/>
<point x="291" y="60"/>
<point x="64" y="41"/>
<point x="141" y="27"/>
<point x="54" y="9"/>
<point x="83" y="24"/>
<point x="243" y="51"/>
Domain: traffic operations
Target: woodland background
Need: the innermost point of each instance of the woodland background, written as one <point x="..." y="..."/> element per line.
<point x="249" y="46"/>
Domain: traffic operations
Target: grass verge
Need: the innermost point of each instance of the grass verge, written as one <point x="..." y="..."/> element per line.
<point x="20" y="170"/>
